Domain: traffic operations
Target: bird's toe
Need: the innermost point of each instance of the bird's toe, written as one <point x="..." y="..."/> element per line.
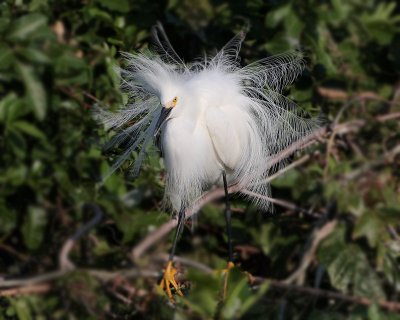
<point x="169" y="281"/>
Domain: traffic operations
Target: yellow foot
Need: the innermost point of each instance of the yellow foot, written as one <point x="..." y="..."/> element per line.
<point x="168" y="280"/>
<point x="229" y="266"/>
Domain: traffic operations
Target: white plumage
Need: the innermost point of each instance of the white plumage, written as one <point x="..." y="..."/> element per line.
<point x="222" y="117"/>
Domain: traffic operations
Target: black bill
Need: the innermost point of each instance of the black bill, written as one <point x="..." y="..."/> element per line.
<point x="163" y="117"/>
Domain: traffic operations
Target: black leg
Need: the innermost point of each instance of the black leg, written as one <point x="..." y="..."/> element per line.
<point x="178" y="232"/>
<point x="228" y="219"/>
<point x="168" y="281"/>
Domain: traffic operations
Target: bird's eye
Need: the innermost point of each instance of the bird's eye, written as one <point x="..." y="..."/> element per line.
<point x="175" y="100"/>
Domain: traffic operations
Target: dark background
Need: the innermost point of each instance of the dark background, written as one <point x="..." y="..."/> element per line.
<point x="56" y="62"/>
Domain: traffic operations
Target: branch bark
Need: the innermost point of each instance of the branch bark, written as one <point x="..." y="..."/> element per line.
<point x="63" y="259"/>
<point x="321" y="293"/>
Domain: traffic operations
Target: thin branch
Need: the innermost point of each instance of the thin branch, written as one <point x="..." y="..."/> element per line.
<point x="337" y="94"/>
<point x="294" y="164"/>
<point x="102" y="275"/>
<point x="188" y="262"/>
<point x="387" y="157"/>
<point x="37" y="285"/>
<point x="167" y="227"/>
<point x="393" y="233"/>
<point x="317" y="236"/>
<point x="9" y="283"/>
<point x="31" y="285"/>
<point x="331" y="139"/>
<point x="279" y="202"/>
<point x="389" y="116"/>
<point x="63" y="259"/>
<point x="35" y="289"/>
<point x="320" y="293"/>
<point x="12" y="251"/>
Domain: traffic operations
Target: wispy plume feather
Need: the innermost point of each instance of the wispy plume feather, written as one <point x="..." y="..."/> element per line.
<point x="266" y="121"/>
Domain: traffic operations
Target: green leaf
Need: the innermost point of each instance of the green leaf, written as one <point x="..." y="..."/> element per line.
<point x="327" y="315"/>
<point x="350" y="271"/>
<point x="30" y="129"/>
<point x="276" y="16"/>
<point x="102" y="248"/>
<point x="265" y="237"/>
<point x="370" y="226"/>
<point x="322" y="54"/>
<point x="348" y="267"/>
<point x="17" y="142"/>
<point x="22" y="309"/>
<point x="6" y="57"/>
<point x="33" y="227"/>
<point x="204" y="300"/>
<point x="373" y="312"/>
<point x="115" y="5"/>
<point x="35" y="92"/>
<point x="26" y="26"/>
<point x="382" y="25"/>
<point x="8" y="220"/>
<point x="35" y="56"/>
<point x="240" y="297"/>
<point x="10" y="107"/>
<point x="140" y="223"/>
<point x="71" y="70"/>
<point x="15" y="175"/>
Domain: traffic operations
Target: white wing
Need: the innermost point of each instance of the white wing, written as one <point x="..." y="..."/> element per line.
<point x="225" y="135"/>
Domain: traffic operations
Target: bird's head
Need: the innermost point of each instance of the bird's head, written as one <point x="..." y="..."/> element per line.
<point x="170" y="99"/>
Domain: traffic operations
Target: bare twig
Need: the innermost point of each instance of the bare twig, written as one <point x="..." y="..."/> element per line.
<point x="101" y="275"/>
<point x="294" y="164"/>
<point x="9" y="283"/>
<point x="385" y="304"/>
<point x="331" y="139"/>
<point x="63" y="260"/>
<point x="39" y="284"/>
<point x="188" y="262"/>
<point x="389" y="116"/>
<point x="317" y="236"/>
<point x="12" y="251"/>
<point x="92" y="97"/>
<point x="334" y="94"/>
<point x="164" y="229"/>
<point x="31" y="289"/>
<point x="393" y="233"/>
<point x="279" y="202"/>
<point x="387" y="157"/>
<point x="340" y="95"/>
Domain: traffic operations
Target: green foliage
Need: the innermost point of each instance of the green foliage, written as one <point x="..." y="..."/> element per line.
<point x="58" y="59"/>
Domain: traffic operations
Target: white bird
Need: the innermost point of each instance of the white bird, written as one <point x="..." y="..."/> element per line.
<point x="218" y="122"/>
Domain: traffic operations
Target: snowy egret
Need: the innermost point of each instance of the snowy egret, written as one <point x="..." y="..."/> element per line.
<point x="217" y="123"/>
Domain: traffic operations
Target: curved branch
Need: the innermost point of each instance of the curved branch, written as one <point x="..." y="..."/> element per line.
<point x="63" y="260"/>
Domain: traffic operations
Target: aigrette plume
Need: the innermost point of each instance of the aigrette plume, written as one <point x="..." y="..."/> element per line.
<point x="253" y="93"/>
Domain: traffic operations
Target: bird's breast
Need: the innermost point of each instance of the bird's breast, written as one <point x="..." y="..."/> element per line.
<point x="188" y="150"/>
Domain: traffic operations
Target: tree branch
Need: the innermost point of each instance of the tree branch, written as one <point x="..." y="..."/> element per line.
<point x="63" y="259"/>
<point x="31" y="289"/>
<point x="320" y="293"/>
